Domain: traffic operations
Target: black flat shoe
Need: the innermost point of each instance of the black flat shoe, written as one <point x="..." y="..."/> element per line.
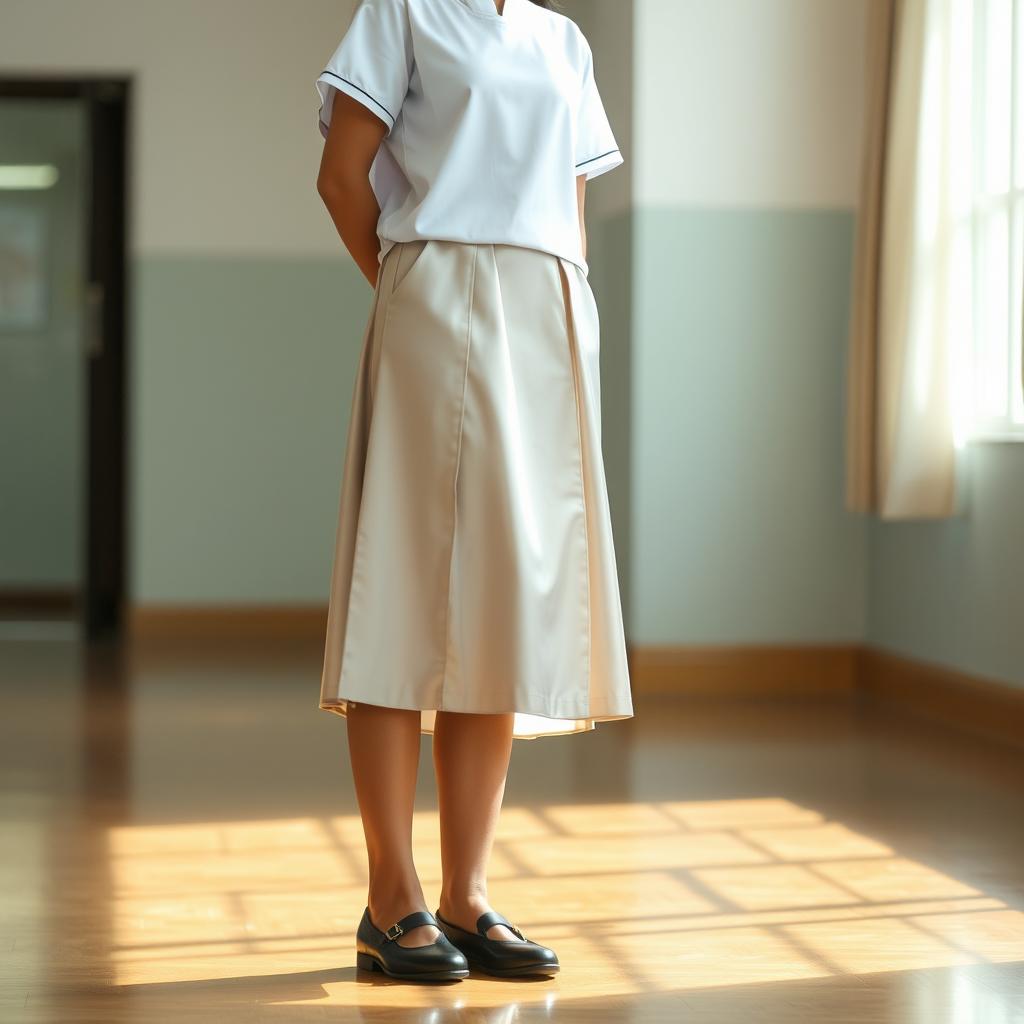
<point x="440" y="960"/>
<point x="502" y="957"/>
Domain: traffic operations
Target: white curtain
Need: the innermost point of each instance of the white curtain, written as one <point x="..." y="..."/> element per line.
<point x="911" y="328"/>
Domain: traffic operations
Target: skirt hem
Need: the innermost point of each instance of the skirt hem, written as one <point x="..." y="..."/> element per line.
<point x="584" y="722"/>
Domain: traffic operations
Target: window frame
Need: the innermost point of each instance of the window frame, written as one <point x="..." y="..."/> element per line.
<point x="987" y="206"/>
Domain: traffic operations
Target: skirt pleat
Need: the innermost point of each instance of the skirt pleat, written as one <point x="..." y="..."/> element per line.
<point x="474" y="567"/>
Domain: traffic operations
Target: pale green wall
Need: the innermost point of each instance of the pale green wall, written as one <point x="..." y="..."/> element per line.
<point x="609" y="255"/>
<point x="951" y="591"/>
<point x="738" y="527"/>
<point x="242" y="375"/>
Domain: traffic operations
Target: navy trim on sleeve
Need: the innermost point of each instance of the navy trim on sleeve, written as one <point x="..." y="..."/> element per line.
<point x="373" y="99"/>
<point x="598" y="157"/>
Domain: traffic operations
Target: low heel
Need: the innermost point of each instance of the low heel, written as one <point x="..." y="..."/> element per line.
<point x="366" y="962"/>
<point x="378" y="950"/>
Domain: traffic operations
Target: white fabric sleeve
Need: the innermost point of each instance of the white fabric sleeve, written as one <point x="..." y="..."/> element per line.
<point x="596" y="148"/>
<point x="372" y="63"/>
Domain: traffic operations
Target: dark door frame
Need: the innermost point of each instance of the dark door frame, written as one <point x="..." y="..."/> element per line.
<point x="106" y="448"/>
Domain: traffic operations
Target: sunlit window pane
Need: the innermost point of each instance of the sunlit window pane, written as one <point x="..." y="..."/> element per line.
<point x="1017" y="302"/>
<point x="1018" y="133"/>
<point x="998" y="79"/>
<point x="992" y="312"/>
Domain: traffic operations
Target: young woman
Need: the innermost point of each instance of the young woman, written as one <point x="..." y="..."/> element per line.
<point x="474" y="593"/>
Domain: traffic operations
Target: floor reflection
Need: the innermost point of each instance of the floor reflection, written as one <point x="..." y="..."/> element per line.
<point x="181" y="839"/>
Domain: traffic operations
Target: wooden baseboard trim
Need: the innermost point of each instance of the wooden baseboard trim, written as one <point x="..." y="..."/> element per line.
<point x="747" y="670"/>
<point x="968" y="702"/>
<point x="982" y="706"/>
<point x="45" y="602"/>
<point x="226" y="622"/>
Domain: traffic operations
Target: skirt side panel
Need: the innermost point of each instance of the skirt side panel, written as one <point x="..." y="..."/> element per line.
<point x="611" y="692"/>
<point x="349" y="502"/>
<point x="394" y="644"/>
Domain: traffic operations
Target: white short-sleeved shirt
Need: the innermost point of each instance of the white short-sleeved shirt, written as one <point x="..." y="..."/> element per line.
<point x="490" y="118"/>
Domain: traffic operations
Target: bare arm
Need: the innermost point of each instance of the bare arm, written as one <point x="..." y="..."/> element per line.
<point x="581" y="189"/>
<point x="353" y="138"/>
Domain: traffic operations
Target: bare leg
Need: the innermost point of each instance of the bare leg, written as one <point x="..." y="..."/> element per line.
<point x="471" y="756"/>
<point x="384" y="747"/>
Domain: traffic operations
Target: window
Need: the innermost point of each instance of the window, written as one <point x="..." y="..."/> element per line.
<point x="998" y="228"/>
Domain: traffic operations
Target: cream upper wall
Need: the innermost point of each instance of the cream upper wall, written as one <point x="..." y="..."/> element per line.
<point x="225" y="147"/>
<point x="747" y="102"/>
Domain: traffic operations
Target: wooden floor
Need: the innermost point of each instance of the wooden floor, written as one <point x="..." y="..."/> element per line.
<point x="180" y="837"/>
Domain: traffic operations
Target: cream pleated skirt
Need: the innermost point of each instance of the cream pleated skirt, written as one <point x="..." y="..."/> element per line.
<point x="474" y="569"/>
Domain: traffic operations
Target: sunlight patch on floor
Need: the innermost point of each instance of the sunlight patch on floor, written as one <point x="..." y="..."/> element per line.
<point x="635" y="897"/>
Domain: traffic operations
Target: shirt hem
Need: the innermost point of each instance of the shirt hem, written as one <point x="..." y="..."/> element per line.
<point x="576" y="261"/>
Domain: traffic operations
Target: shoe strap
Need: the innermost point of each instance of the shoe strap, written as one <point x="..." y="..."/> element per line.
<point x="491" y="918"/>
<point x="404" y="924"/>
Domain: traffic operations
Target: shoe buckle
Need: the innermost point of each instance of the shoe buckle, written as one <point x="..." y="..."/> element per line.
<point x="400" y="930"/>
<point x="517" y="931"/>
